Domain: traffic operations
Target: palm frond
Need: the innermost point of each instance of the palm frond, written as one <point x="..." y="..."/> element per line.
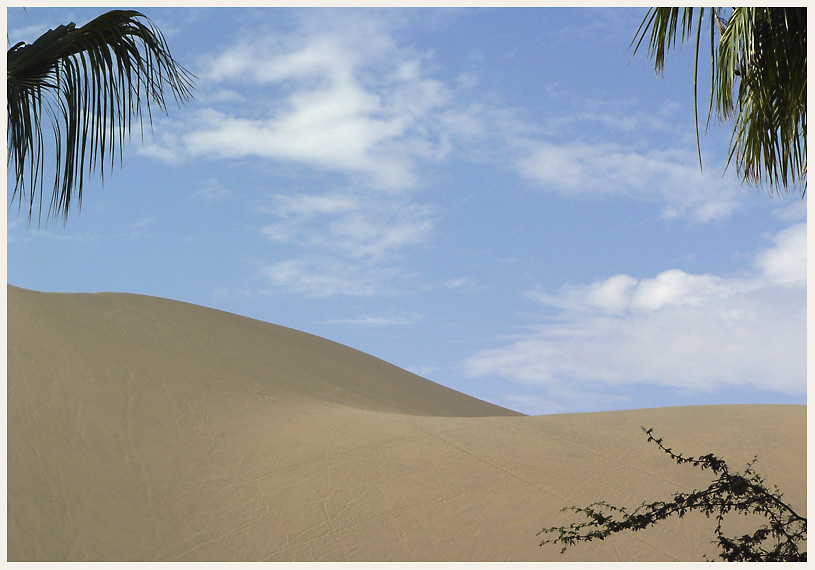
<point x="663" y="23"/>
<point x="762" y="87"/>
<point x="91" y="82"/>
<point x="758" y="80"/>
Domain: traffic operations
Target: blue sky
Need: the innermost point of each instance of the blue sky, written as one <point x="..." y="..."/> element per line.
<point x="504" y="201"/>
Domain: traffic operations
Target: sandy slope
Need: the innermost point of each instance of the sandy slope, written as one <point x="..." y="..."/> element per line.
<point x="147" y="429"/>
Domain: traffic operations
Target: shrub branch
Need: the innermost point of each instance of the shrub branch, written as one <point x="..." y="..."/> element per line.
<point x="779" y="539"/>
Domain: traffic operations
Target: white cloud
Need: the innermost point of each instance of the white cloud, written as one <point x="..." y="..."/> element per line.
<point x="467" y="80"/>
<point x="670" y="176"/>
<point x="678" y="330"/>
<point x="459" y="283"/>
<point x="211" y="192"/>
<point x="341" y="94"/>
<point x="379" y="320"/>
<point x="85" y="237"/>
<point x="340" y="98"/>
<point x="336" y="94"/>
<point x="218" y="96"/>
<point x="322" y="276"/>
<point x="792" y="211"/>
<point x="345" y="244"/>
<point x="786" y="262"/>
<point x="373" y="228"/>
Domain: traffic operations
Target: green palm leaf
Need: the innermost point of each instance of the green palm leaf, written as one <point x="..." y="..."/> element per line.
<point x="91" y="82"/>
<point x="766" y="49"/>
<point x="758" y="80"/>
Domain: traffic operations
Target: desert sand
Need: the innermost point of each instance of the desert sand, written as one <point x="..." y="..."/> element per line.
<point x="143" y="429"/>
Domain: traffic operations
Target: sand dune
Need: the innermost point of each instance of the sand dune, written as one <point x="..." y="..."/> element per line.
<point x="146" y="429"/>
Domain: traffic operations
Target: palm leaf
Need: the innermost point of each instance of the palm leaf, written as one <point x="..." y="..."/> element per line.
<point x="91" y="82"/>
<point x="767" y="49"/>
<point x="663" y="23"/>
<point x="758" y="80"/>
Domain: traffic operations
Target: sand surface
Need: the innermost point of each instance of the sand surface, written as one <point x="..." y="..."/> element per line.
<point x="143" y="429"/>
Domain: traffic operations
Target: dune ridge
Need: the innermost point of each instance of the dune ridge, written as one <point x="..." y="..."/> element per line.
<point x="145" y="429"/>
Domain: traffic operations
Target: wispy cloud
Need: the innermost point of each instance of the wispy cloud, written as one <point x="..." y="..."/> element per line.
<point x="212" y="191"/>
<point x="668" y="176"/>
<point x="139" y="229"/>
<point x="342" y="98"/>
<point x="402" y="319"/>
<point x="340" y="93"/>
<point x="348" y="224"/>
<point x="32" y="233"/>
<point x="346" y="243"/>
<point x="324" y="276"/>
<point x="678" y="330"/>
